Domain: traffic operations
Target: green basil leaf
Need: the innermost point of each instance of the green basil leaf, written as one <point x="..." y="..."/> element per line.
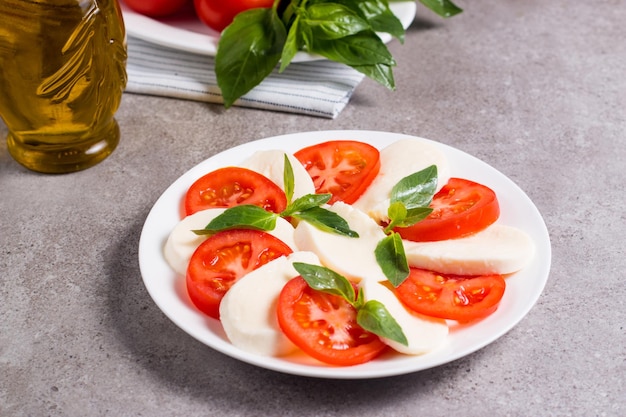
<point x="306" y="202"/>
<point x="378" y="14"/>
<point x="323" y="279"/>
<point x="288" y="178"/>
<point x="381" y="73"/>
<point x="444" y="8"/>
<point x="363" y="48"/>
<point x="374" y="317"/>
<point x="332" y="21"/>
<point x="292" y="45"/>
<point x="415" y="215"/>
<point x="417" y="189"/>
<point x="248" y="51"/>
<point x="327" y="221"/>
<point x="245" y="216"/>
<point x="391" y="258"/>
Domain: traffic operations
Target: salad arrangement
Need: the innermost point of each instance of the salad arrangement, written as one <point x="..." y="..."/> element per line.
<point x="329" y="306"/>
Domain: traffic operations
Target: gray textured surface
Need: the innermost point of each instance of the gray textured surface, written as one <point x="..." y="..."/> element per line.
<point x="537" y="89"/>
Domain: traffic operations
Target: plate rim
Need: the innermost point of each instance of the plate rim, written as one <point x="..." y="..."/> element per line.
<point x="147" y="248"/>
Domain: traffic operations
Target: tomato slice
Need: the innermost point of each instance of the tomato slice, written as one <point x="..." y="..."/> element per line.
<point x="460" y="208"/>
<point x="324" y="326"/>
<point x="231" y="186"/>
<point x="452" y="297"/>
<point x="225" y="257"/>
<point x="343" y="168"/>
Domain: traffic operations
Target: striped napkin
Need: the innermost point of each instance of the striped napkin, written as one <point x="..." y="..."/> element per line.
<point x="317" y="88"/>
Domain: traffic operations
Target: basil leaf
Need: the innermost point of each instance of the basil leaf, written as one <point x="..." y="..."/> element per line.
<point x="332" y="21"/>
<point x="374" y="317"/>
<point x="378" y="14"/>
<point x="245" y="216"/>
<point x="323" y="279"/>
<point x="392" y="260"/>
<point x="414" y="215"/>
<point x="292" y="45"/>
<point x="381" y="73"/>
<point x="248" y="50"/>
<point x="327" y="221"/>
<point x="288" y="178"/>
<point x="416" y="190"/>
<point x="363" y="48"/>
<point x="443" y="8"/>
<point x="306" y="202"/>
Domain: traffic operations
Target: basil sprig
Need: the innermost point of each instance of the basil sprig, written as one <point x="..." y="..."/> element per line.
<point x="409" y="203"/>
<point x="371" y="315"/>
<point x="306" y="208"/>
<point x="344" y="31"/>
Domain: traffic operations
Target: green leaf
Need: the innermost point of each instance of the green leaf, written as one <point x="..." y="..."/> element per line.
<point x="417" y="189"/>
<point x="363" y="48"/>
<point x="375" y="317"/>
<point x="381" y="73"/>
<point x="443" y="8"/>
<point x="245" y="216"/>
<point x="332" y="21"/>
<point x="248" y="51"/>
<point x="327" y="221"/>
<point x="292" y="45"/>
<point x="378" y="14"/>
<point x="288" y="178"/>
<point x="392" y="260"/>
<point x="306" y="202"/>
<point x="324" y="279"/>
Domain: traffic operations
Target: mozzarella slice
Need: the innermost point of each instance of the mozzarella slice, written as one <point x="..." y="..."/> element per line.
<point x="424" y="334"/>
<point x="272" y="164"/>
<point x="248" y="310"/>
<point x="498" y="249"/>
<point x="182" y="241"/>
<point x="397" y="161"/>
<point x="351" y="257"/>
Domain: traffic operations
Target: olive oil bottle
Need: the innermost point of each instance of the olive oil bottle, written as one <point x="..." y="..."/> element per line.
<point x="62" y="74"/>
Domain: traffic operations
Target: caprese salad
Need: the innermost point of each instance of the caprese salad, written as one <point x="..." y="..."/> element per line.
<point x="343" y="251"/>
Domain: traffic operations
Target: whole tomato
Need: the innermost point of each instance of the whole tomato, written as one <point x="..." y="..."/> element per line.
<point x="156" y="8"/>
<point x="217" y="14"/>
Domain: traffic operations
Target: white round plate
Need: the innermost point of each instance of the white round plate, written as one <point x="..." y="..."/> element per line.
<point x="184" y="31"/>
<point x="523" y="288"/>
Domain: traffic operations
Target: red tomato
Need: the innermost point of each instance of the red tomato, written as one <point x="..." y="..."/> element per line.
<point x="217" y="14"/>
<point x="231" y="186"/>
<point x="343" y="168"/>
<point x="324" y="326"/>
<point x="224" y="258"/>
<point x="460" y="208"/>
<point x="451" y="297"/>
<point x="156" y="8"/>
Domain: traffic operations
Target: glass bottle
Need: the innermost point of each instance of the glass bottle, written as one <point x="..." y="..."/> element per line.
<point x="62" y="74"/>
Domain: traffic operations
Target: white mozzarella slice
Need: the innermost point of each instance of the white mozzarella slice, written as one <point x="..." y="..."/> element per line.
<point x="424" y="334"/>
<point x="248" y="310"/>
<point x="397" y="161"/>
<point x="351" y="257"/>
<point x="271" y="163"/>
<point x="498" y="249"/>
<point x="182" y="241"/>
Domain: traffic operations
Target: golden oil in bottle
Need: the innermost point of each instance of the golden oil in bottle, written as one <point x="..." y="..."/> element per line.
<point x="62" y="74"/>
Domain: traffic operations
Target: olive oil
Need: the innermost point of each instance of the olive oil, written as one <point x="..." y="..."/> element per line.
<point x="62" y="74"/>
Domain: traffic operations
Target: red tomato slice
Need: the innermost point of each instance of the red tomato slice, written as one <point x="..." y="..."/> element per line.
<point x="451" y="297"/>
<point x="156" y="8"/>
<point x="343" y="168"/>
<point x="460" y="208"/>
<point x="232" y="186"/>
<point x="224" y="258"/>
<point x="217" y="14"/>
<point x="324" y="326"/>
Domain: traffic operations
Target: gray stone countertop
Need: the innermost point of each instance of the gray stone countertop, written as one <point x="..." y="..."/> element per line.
<point x="536" y="89"/>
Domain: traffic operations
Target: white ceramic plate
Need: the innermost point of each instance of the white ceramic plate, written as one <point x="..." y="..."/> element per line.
<point x="186" y="32"/>
<point x="523" y="288"/>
